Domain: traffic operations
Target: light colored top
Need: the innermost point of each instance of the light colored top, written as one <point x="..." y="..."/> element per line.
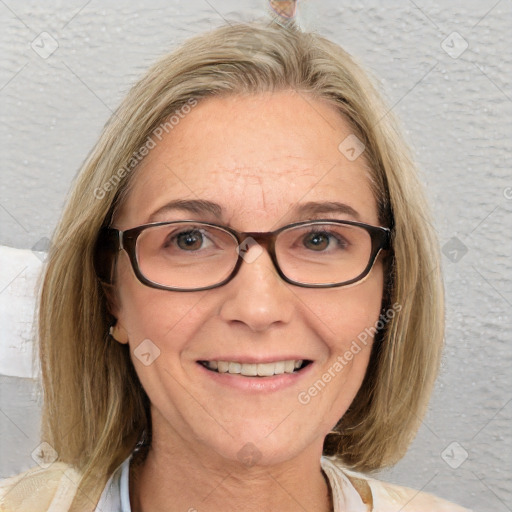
<point x="116" y="495"/>
<point x="53" y="490"/>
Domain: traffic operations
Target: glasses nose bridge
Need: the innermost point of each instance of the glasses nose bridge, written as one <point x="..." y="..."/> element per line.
<point x="266" y="239"/>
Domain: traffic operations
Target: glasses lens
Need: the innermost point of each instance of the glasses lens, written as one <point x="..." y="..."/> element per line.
<point x="326" y="253"/>
<point x="186" y="255"/>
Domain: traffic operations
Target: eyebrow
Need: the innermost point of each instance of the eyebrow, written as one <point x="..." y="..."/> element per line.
<point x="203" y="206"/>
<point x="198" y="206"/>
<point x="313" y="208"/>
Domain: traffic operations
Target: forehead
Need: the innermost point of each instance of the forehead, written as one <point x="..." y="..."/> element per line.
<point x="257" y="156"/>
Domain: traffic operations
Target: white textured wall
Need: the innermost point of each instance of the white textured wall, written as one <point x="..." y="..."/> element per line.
<point x="455" y="104"/>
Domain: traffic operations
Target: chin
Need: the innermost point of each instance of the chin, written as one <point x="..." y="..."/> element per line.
<point x="250" y="447"/>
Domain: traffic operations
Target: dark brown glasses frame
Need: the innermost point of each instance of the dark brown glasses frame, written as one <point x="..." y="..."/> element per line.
<point x="110" y="241"/>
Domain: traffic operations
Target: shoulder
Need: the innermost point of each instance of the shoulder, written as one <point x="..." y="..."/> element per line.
<point x="40" y="489"/>
<point x="385" y="497"/>
<point x="392" y="498"/>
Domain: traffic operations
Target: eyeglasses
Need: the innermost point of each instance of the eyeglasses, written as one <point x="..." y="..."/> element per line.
<point x="191" y="256"/>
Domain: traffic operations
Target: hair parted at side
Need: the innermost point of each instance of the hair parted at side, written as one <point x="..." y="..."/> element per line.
<point x="94" y="407"/>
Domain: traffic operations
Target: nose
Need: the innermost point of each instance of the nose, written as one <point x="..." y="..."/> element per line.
<point x="257" y="297"/>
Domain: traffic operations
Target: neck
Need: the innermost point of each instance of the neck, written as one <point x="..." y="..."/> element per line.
<point x="175" y="480"/>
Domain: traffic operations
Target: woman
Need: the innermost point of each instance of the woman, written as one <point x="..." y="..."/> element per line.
<point x="242" y="307"/>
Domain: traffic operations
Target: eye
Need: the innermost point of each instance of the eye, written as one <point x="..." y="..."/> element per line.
<point x="190" y="240"/>
<point x="320" y="240"/>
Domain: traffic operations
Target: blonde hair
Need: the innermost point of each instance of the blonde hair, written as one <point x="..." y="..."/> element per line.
<point x="95" y="409"/>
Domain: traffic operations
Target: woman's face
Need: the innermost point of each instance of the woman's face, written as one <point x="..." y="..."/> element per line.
<point x="259" y="157"/>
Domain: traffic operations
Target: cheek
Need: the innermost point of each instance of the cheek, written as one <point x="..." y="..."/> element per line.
<point x="345" y="315"/>
<point x="345" y="319"/>
<point x="149" y="313"/>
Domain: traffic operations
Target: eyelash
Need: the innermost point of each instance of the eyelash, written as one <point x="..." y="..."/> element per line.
<point x="171" y="238"/>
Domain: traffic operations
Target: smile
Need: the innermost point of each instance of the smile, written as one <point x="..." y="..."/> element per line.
<point x="256" y="369"/>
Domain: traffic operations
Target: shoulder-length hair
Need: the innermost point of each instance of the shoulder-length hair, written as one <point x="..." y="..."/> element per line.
<point x="95" y="409"/>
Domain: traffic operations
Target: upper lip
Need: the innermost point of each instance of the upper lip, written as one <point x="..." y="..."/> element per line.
<point x="256" y="360"/>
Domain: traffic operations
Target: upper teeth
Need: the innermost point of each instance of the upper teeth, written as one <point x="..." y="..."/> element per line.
<point x="255" y="369"/>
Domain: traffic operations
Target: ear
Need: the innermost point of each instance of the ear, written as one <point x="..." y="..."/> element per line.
<point x="119" y="333"/>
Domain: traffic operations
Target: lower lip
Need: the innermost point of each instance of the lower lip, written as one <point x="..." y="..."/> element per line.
<point x="257" y="384"/>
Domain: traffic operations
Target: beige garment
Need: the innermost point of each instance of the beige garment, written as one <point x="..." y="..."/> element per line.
<point x="53" y="489"/>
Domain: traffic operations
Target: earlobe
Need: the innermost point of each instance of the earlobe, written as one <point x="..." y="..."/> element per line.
<point x="118" y="332"/>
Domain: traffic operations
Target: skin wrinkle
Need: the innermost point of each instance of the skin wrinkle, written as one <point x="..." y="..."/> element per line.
<point x="191" y="417"/>
<point x="243" y="174"/>
<point x="198" y="424"/>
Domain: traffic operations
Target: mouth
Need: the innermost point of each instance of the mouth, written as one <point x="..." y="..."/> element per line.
<point x="256" y="369"/>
